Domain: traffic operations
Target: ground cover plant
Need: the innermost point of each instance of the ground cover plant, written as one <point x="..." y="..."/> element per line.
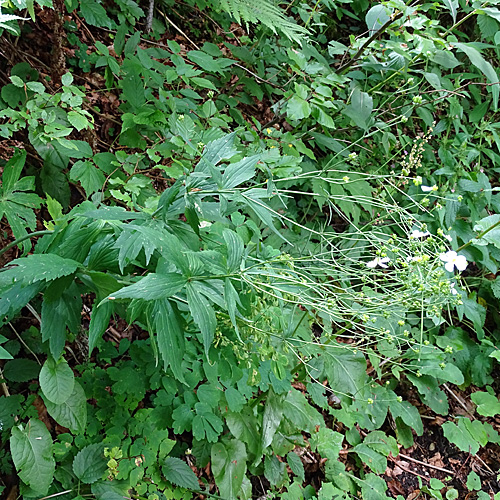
<point x="249" y="250"/>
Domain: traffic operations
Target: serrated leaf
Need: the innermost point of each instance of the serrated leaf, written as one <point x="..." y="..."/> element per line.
<point x="203" y="315"/>
<point x="89" y="464"/>
<point x="94" y="14"/>
<point x="169" y="337"/>
<point x="296" y="465"/>
<point x="374" y="460"/>
<point x="327" y="442"/>
<point x="133" y="91"/>
<point x="31" y="449"/>
<point x="73" y="412"/>
<point x="21" y="370"/>
<point x="346" y="371"/>
<point x="273" y="413"/>
<point x="77" y="120"/>
<point x="38" y="267"/>
<point x="274" y="470"/>
<point x="99" y="322"/>
<point x="229" y="467"/>
<point x="179" y="473"/>
<point x="152" y="287"/>
<point x="297" y="409"/>
<point x="56" y="380"/>
<point x="90" y="177"/>
<point x="12" y="171"/>
<point x="217" y="150"/>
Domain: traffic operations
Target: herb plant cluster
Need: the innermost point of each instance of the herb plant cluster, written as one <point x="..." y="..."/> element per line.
<point x="250" y="250"/>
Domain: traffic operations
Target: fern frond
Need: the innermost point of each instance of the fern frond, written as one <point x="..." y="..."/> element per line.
<point x="267" y="13"/>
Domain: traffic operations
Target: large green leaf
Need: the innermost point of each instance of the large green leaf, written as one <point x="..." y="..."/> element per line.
<point x="273" y="413"/>
<point x="169" y="337"/>
<point x="89" y="465"/>
<point x="12" y="171"/>
<point x="91" y="178"/>
<point x="203" y="315"/>
<point x="57" y="380"/>
<point x="73" y="412"/>
<point x="346" y="370"/>
<point x="38" y="267"/>
<point x="297" y="409"/>
<point x="484" y="66"/>
<point x="360" y="108"/>
<point x="235" y="248"/>
<point x="229" y="466"/>
<point x="179" y="473"/>
<point x="31" y="449"/>
<point x="99" y="322"/>
<point x="152" y="287"/>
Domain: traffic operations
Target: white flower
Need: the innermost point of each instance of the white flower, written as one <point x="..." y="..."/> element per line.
<point x="428" y="189"/>
<point x="378" y="261"/>
<point x="453" y="290"/>
<point x="416" y="234"/>
<point x="447" y="237"/>
<point x="205" y="223"/>
<point x="452" y="260"/>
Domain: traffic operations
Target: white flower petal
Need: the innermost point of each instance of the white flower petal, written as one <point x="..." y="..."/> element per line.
<point x="449" y="266"/>
<point x="461" y="263"/>
<point x="426" y="189"/>
<point x="372" y="263"/>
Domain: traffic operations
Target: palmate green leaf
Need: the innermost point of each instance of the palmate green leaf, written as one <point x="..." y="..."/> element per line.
<point x="12" y="171"/>
<point x="73" y="412"/>
<point x="484" y="66"/>
<point x="169" y="336"/>
<point x="57" y="380"/>
<point x="31" y="449"/>
<point x="203" y="315"/>
<point x="89" y="464"/>
<point x="152" y="287"/>
<point x="467" y="438"/>
<point x="179" y="473"/>
<point x="327" y="442"/>
<point x="229" y="467"/>
<point x="90" y="177"/>
<point x="206" y="425"/>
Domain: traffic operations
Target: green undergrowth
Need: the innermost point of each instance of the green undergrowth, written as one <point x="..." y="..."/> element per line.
<point x="231" y="258"/>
